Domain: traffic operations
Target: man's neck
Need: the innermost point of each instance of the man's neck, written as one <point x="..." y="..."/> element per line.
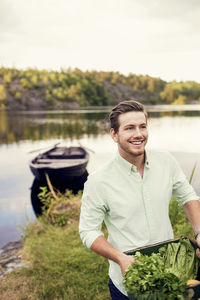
<point x="137" y="161"/>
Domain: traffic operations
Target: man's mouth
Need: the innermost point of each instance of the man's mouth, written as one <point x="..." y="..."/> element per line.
<point x="137" y="142"/>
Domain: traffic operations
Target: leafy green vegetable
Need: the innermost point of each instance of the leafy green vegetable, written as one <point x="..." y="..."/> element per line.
<point x="147" y="278"/>
<point x="180" y="259"/>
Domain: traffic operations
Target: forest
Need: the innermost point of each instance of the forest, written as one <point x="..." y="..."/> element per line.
<point x="33" y="89"/>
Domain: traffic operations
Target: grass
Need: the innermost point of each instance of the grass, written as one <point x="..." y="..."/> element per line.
<point x="181" y="227"/>
<point x="61" y="267"/>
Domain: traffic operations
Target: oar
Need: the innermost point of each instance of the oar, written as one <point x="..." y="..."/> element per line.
<point x="44" y="148"/>
<point x="86" y="148"/>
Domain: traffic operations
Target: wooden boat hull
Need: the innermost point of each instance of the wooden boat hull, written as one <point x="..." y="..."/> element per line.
<point x="60" y="167"/>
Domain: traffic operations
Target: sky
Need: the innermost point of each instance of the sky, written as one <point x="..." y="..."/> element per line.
<point x="160" y="38"/>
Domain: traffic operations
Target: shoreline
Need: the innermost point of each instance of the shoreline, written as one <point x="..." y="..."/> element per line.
<point x="153" y="108"/>
<point x="10" y="257"/>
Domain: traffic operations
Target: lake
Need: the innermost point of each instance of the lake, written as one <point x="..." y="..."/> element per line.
<point x="175" y="129"/>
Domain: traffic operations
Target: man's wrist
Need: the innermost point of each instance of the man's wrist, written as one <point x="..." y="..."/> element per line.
<point x="196" y="233"/>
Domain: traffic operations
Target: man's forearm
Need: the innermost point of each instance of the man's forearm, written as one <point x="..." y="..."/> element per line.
<point x="104" y="248"/>
<point x="192" y="211"/>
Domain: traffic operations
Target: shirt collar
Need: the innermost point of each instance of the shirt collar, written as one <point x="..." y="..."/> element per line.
<point x="130" y="167"/>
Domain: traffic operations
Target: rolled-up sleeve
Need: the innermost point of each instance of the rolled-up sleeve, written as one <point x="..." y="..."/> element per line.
<point x="92" y="214"/>
<point x="182" y="189"/>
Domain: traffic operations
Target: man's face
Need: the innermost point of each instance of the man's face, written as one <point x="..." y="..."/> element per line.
<point x="132" y="134"/>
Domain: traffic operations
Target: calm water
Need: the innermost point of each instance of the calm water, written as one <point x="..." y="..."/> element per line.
<point x="21" y="133"/>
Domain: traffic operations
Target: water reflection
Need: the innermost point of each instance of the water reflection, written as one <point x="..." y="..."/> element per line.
<point x="180" y="113"/>
<point x="16" y="127"/>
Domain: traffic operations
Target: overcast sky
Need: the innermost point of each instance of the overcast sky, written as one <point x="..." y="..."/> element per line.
<point x="156" y="37"/>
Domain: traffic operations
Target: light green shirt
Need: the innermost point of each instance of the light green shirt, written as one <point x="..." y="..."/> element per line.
<point x="134" y="209"/>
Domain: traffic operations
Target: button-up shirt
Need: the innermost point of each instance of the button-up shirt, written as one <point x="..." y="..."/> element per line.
<point x="134" y="209"/>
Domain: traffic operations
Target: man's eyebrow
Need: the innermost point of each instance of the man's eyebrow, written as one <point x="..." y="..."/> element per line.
<point x="129" y="125"/>
<point x="132" y="125"/>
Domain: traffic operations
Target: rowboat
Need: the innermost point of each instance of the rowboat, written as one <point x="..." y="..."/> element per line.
<point x="60" y="163"/>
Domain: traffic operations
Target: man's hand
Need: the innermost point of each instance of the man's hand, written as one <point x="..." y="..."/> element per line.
<point x="104" y="248"/>
<point x="198" y="244"/>
<point x="125" y="261"/>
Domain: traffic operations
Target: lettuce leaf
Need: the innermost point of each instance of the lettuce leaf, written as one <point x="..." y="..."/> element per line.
<point x="180" y="259"/>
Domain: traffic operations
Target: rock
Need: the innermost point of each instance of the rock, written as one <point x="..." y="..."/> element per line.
<point x="10" y="258"/>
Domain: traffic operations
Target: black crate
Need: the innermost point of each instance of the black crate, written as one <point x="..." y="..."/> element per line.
<point x="153" y="248"/>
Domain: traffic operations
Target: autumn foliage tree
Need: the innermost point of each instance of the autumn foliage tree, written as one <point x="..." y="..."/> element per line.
<point x="91" y="88"/>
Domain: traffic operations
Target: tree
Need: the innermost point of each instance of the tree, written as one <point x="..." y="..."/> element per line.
<point x="181" y="100"/>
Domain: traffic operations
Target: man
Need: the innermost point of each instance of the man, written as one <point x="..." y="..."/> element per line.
<point x="131" y="194"/>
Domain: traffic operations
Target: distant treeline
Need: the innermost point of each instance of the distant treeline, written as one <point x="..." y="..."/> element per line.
<point x="41" y="89"/>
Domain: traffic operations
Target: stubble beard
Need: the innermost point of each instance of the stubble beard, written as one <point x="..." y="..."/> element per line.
<point x="135" y="153"/>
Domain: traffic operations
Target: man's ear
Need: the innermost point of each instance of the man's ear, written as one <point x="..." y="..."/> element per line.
<point x="114" y="135"/>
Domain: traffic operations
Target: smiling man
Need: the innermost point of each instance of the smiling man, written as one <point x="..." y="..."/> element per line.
<point x="131" y="137"/>
<point x="131" y="194"/>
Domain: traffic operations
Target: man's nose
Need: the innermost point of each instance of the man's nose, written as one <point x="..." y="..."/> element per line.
<point x="138" y="132"/>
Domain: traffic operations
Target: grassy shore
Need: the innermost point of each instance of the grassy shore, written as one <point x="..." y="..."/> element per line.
<point x="60" y="266"/>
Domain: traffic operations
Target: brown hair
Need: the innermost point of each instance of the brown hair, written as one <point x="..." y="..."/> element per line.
<point x="123" y="107"/>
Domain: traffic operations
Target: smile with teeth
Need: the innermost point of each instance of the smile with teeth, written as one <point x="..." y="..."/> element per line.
<point x="137" y="142"/>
